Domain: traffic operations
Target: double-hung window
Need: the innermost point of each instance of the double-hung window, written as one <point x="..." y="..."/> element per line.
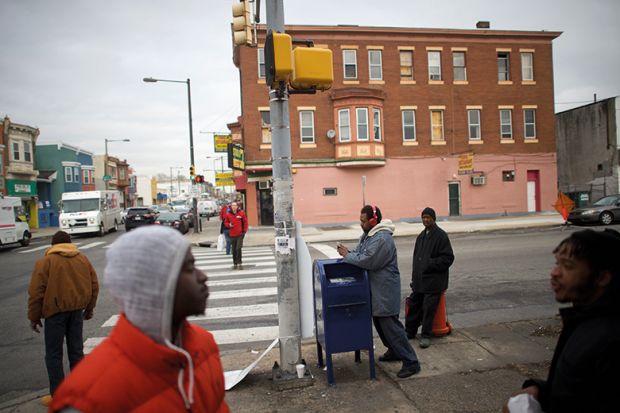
<point x="473" y="120"/>
<point x="406" y="65"/>
<point x="529" y="120"/>
<point x="85" y="179"/>
<point x="434" y="65"/>
<point x="375" y="65"/>
<point x="68" y="174"/>
<point x="27" y="153"/>
<point x="437" y="125"/>
<point x="265" y="124"/>
<point x="261" y="62"/>
<point x="527" y="66"/>
<point x="376" y="124"/>
<point x="76" y="175"/>
<point x="361" y="115"/>
<point x="408" y="125"/>
<point x="306" y="126"/>
<point x="349" y="61"/>
<point x="505" y="121"/>
<point x="458" y="64"/>
<point x="503" y="66"/>
<point x="344" y="125"/>
<point x="16" y="156"/>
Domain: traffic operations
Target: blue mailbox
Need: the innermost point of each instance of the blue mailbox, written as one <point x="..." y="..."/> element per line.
<point x="343" y="313"/>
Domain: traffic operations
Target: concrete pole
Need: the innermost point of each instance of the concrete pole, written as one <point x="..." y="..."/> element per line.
<point x="191" y="156"/>
<point x="289" y="321"/>
<point x="105" y="165"/>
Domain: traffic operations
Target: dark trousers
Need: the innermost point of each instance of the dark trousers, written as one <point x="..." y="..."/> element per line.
<point x="422" y="309"/>
<point x="237" y="244"/>
<point x="226" y="233"/>
<point x="66" y="324"/>
<point x="392" y="335"/>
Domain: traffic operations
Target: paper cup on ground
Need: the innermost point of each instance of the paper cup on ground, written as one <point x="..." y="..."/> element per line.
<point x="301" y="369"/>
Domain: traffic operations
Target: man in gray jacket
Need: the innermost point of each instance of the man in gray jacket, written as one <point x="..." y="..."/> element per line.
<point x="376" y="253"/>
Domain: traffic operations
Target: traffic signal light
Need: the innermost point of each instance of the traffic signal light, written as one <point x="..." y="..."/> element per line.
<point x="278" y="57"/>
<point x="200" y="179"/>
<point x="191" y="171"/>
<point x="242" y="23"/>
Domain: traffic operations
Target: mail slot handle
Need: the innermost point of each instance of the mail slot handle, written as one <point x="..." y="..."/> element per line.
<point x="346" y="304"/>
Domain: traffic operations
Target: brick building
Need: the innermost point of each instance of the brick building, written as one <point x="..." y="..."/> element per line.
<point x="460" y="120"/>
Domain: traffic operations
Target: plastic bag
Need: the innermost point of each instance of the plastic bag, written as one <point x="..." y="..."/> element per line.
<point x="524" y="403"/>
<point x="221" y="242"/>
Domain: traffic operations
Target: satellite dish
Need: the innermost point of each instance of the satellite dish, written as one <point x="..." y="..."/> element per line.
<point x="331" y="134"/>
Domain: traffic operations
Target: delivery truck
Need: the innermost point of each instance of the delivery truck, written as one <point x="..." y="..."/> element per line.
<point x="13" y="226"/>
<point x="90" y="212"/>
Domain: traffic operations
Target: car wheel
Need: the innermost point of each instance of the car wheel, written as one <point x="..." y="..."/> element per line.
<point x="606" y="218"/>
<point x="25" y="241"/>
<point x="101" y="231"/>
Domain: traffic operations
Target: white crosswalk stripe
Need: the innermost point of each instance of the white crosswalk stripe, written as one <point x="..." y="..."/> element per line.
<point x="42" y="247"/>
<point x="237" y="316"/>
<point x="91" y="245"/>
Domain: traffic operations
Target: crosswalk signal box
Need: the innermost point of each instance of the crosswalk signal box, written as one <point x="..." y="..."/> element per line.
<point x="278" y="57"/>
<point x="312" y="67"/>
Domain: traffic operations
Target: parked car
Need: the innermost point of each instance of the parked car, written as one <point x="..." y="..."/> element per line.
<point x="187" y="211"/>
<point x="138" y="216"/>
<point x="605" y="211"/>
<point x="161" y="208"/>
<point x="177" y="220"/>
<point x="178" y="204"/>
<point x="207" y="208"/>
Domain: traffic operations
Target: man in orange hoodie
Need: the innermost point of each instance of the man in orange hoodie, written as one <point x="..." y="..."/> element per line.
<point x="63" y="291"/>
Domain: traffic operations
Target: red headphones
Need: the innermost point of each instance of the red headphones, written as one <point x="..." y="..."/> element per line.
<point x="373" y="221"/>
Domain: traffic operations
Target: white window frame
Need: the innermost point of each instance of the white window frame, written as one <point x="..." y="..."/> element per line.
<point x="476" y="126"/>
<point x="400" y="60"/>
<point x="506" y="73"/>
<point x="85" y="178"/>
<point x="372" y="66"/>
<point x="265" y="128"/>
<point x="359" y="124"/>
<point x="260" y="57"/>
<point x="16" y="151"/>
<point x="27" y="152"/>
<point x="76" y="174"/>
<point x="433" y="126"/>
<point x="306" y="138"/>
<point x="431" y="72"/>
<point x="502" y="124"/>
<point x="527" y="68"/>
<point x="68" y="174"/>
<point x="376" y="124"/>
<point x="455" y="67"/>
<point x="344" y="130"/>
<point x="345" y="63"/>
<point x="407" y="125"/>
<point x="526" y="124"/>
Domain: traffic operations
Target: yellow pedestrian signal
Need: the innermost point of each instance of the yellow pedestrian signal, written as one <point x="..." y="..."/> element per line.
<point x="191" y="171"/>
<point x="278" y="57"/>
<point x="242" y="23"/>
<point x="312" y="67"/>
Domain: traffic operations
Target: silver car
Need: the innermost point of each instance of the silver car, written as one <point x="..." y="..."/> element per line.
<point x="605" y="211"/>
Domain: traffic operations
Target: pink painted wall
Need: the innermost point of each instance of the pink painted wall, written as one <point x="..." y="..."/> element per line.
<point x="404" y="187"/>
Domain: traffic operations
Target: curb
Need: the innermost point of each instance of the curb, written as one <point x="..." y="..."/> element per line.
<point x="26" y="398"/>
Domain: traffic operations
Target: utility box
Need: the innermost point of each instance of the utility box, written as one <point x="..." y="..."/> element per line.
<point x="343" y="313"/>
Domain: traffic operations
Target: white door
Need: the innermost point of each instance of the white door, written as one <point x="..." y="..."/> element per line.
<point x="531" y="196"/>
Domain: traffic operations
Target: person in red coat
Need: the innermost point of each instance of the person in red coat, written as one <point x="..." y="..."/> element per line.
<point x="237" y="224"/>
<point x="223" y="230"/>
<point x="154" y="360"/>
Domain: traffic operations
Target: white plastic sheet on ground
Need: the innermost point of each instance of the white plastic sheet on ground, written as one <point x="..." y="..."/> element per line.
<point x="232" y="378"/>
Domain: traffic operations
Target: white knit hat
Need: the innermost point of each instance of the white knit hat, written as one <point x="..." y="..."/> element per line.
<point x="141" y="273"/>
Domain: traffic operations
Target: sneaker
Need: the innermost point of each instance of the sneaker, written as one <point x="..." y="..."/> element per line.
<point x="388" y="356"/>
<point x="239" y="266"/>
<point x="407" y="371"/>
<point x="46" y="400"/>
<point x="425" y="342"/>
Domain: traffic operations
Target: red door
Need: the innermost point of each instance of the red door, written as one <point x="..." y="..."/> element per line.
<point x="533" y="191"/>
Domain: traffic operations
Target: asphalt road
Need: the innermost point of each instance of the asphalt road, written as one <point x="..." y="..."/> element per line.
<point x="496" y="277"/>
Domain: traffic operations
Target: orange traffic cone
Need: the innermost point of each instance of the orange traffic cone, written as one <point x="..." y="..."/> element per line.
<point x="441" y="325"/>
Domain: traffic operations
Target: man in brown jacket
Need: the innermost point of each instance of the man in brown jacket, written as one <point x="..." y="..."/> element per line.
<point x="63" y="290"/>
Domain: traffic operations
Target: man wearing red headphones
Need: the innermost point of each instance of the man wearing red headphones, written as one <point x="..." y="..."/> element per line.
<point x="376" y="253"/>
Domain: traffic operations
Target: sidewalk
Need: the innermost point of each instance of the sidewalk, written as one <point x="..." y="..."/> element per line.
<point x="471" y="370"/>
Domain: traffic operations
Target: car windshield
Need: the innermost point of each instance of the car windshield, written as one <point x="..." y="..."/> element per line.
<point x="137" y="211"/>
<point x="80" y="205"/>
<point x="606" y="201"/>
<point x="169" y="216"/>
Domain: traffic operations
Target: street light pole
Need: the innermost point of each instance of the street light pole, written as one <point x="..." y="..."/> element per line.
<point x="191" y="140"/>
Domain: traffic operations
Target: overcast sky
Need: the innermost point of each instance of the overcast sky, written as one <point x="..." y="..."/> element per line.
<point x="74" y="68"/>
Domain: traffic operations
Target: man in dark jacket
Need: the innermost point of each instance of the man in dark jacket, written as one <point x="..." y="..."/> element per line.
<point x="376" y="253"/>
<point x="583" y="376"/>
<point x="432" y="257"/>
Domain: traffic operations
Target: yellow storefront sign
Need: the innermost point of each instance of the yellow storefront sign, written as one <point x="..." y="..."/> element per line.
<point x="220" y="142"/>
<point x="466" y="163"/>
<point x="224" y="179"/>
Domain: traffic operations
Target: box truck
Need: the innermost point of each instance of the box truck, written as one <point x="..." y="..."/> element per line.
<point x="13" y="225"/>
<point x="90" y="211"/>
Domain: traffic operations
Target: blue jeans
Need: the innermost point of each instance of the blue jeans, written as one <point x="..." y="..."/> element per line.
<point x="226" y="233"/>
<point x="393" y="336"/>
<point x="66" y="324"/>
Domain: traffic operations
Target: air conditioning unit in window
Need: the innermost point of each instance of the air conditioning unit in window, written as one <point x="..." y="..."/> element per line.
<point x="263" y="185"/>
<point x="435" y="77"/>
<point x="478" y="180"/>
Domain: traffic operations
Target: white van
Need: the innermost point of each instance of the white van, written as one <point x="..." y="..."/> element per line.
<point x="12" y="228"/>
<point x="90" y="211"/>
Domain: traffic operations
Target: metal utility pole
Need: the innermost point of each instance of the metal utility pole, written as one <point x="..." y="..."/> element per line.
<point x="289" y="321"/>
